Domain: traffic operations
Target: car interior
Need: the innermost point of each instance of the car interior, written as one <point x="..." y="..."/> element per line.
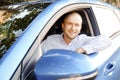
<point x="57" y="29"/>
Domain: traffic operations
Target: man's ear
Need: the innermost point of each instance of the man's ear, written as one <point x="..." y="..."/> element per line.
<point x="62" y="26"/>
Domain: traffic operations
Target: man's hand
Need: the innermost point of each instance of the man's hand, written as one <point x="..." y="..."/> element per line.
<point x="80" y="50"/>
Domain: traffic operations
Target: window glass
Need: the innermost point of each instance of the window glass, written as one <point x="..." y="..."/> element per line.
<point x="107" y="21"/>
<point x="13" y="21"/>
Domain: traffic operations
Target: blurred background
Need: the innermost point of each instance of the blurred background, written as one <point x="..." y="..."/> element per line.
<point x="7" y="2"/>
<point x="113" y="2"/>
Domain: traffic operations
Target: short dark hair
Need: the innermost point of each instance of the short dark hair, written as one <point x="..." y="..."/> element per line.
<point x="67" y="14"/>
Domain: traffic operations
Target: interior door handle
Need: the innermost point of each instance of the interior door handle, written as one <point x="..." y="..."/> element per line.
<point x="109" y="67"/>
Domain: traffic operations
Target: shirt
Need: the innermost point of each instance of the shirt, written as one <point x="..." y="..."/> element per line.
<point x="89" y="43"/>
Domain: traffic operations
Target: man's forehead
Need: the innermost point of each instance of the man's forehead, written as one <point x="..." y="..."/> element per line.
<point x="73" y="17"/>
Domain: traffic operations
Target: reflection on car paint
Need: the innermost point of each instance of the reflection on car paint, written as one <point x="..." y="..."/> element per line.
<point x="14" y="20"/>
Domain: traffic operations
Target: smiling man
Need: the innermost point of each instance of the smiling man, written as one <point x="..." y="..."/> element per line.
<point x="71" y="40"/>
<point x="71" y="26"/>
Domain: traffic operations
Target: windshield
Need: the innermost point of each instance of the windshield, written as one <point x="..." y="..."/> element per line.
<point x="14" y="19"/>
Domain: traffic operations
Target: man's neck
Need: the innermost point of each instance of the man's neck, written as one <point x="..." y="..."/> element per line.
<point x="67" y="40"/>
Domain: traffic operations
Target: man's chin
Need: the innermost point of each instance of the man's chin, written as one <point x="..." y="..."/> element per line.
<point x="72" y="37"/>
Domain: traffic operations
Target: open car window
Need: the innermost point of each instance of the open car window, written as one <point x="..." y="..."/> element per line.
<point x="86" y="26"/>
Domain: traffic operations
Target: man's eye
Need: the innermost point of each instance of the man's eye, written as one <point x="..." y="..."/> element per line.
<point x="77" y="25"/>
<point x="69" y="24"/>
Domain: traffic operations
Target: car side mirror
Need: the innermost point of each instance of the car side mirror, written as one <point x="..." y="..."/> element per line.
<point x="58" y="63"/>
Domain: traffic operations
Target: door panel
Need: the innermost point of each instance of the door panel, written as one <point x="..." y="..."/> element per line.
<point x="111" y="68"/>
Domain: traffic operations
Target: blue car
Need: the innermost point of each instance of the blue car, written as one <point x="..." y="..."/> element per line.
<point x="24" y="26"/>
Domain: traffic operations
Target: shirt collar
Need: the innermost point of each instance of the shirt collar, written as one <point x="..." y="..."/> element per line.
<point x="62" y="38"/>
<point x="64" y="41"/>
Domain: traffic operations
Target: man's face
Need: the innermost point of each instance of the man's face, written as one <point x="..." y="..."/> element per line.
<point x="72" y="26"/>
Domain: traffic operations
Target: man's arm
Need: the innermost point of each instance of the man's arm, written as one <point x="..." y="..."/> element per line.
<point x="98" y="43"/>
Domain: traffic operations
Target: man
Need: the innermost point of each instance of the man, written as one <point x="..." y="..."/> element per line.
<point x="70" y="39"/>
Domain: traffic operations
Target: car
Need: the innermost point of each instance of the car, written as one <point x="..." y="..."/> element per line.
<point x="24" y="26"/>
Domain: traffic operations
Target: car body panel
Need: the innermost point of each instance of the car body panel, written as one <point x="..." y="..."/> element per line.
<point x="110" y="69"/>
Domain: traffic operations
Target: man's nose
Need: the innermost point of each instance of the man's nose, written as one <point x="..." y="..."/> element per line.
<point x="73" y="27"/>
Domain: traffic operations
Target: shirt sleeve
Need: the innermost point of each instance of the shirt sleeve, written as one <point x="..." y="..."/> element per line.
<point x="46" y="44"/>
<point x="50" y="43"/>
<point x="96" y="44"/>
<point x="43" y="46"/>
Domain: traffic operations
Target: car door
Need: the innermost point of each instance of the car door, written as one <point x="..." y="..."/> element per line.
<point x="109" y="25"/>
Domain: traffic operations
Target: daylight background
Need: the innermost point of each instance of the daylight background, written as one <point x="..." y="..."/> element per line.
<point x="113" y="2"/>
<point x="6" y="2"/>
